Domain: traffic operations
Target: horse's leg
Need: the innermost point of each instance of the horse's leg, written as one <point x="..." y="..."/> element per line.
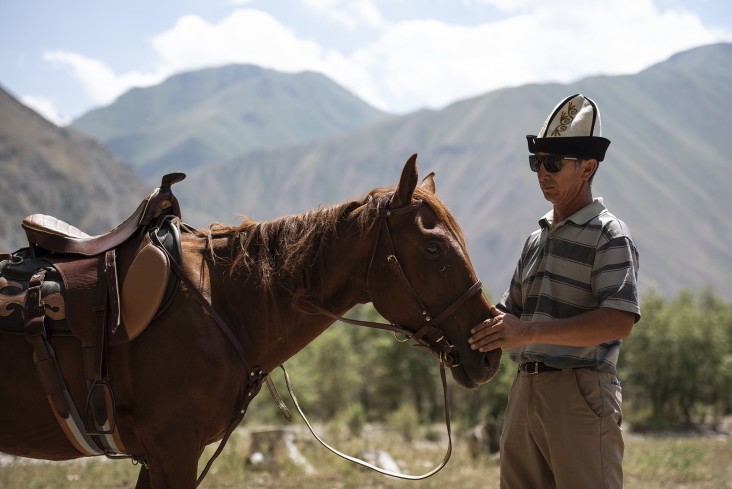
<point x="143" y="479"/>
<point x="172" y="463"/>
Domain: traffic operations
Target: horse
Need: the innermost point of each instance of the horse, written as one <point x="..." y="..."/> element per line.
<point x="250" y="297"/>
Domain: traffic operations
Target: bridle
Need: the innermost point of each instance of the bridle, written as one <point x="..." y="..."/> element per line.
<point x="430" y="335"/>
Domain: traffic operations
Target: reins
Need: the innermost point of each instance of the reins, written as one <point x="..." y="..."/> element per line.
<point x="440" y="346"/>
<point x="429" y="336"/>
<point x="363" y="463"/>
<point x="254" y="376"/>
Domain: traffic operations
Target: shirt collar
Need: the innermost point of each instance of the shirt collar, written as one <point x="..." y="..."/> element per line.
<point x="580" y="217"/>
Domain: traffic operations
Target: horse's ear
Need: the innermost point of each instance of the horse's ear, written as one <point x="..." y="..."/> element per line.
<point x="428" y="183"/>
<point x="407" y="184"/>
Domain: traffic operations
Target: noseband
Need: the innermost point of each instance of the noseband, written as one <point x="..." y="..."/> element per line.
<point x="431" y="334"/>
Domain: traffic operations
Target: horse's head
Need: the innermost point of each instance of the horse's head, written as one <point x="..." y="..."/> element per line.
<point x="422" y="280"/>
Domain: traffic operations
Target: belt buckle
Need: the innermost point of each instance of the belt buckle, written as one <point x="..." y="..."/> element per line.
<point x="531" y="368"/>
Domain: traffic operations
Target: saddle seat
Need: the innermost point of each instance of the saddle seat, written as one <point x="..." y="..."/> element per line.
<point x="55" y="235"/>
<point x="41" y="223"/>
<point x="141" y="268"/>
<point x="105" y="290"/>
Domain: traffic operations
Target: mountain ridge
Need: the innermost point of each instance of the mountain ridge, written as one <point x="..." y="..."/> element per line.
<point x="58" y="171"/>
<point x="666" y="175"/>
<point x="200" y="116"/>
<point x="659" y="120"/>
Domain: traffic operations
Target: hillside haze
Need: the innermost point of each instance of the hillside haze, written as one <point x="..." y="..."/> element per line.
<point x="61" y="172"/>
<point x="203" y="116"/>
<point x="666" y="174"/>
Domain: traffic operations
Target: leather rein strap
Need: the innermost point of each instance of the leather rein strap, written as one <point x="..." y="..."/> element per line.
<point x="254" y="377"/>
<point x="429" y="336"/>
<point x="363" y="463"/>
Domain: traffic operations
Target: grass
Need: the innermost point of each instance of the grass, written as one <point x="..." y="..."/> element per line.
<point x="651" y="462"/>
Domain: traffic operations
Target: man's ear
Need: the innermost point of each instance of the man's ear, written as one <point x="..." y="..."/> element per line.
<point x="589" y="167"/>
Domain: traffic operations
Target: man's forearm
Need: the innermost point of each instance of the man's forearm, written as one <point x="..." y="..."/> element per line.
<point x="586" y="329"/>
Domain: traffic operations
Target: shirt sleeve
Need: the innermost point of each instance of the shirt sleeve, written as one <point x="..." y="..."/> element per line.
<point x="512" y="300"/>
<point x="615" y="270"/>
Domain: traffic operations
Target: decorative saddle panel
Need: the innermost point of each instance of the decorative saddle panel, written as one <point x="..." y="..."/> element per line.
<point x="15" y="275"/>
<point x="69" y="289"/>
<point x="103" y="290"/>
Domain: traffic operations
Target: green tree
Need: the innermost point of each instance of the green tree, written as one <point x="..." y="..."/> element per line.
<point x="677" y="360"/>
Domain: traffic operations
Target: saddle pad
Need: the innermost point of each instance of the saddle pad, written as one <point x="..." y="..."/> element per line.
<point x="15" y="275"/>
<point x="71" y="287"/>
<point x="143" y="288"/>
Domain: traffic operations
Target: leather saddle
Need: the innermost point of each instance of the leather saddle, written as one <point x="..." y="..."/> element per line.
<point x="143" y="287"/>
<point x="103" y="290"/>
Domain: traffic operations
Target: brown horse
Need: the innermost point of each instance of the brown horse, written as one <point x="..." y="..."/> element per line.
<point x="179" y="385"/>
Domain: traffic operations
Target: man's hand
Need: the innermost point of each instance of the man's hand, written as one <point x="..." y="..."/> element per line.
<point x="586" y="329"/>
<point x="501" y="331"/>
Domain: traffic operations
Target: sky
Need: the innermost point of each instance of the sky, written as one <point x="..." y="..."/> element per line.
<point x="64" y="58"/>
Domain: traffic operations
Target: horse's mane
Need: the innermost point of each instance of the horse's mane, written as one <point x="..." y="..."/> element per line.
<point x="288" y="251"/>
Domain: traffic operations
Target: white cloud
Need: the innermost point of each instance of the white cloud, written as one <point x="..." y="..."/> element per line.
<point x="102" y="84"/>
<point x="418" y="63"/>
<point x="349" y="13"/>
<point x="433" y="63"/>
<point x="245" y="36"/>
<point x="46" y="108"/>
<point x="256" y="37"/>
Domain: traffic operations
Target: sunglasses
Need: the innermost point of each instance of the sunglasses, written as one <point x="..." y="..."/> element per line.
<point x="552" y="163"/>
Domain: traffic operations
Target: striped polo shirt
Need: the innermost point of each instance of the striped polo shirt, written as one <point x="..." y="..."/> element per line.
<point x="583" y="263"/>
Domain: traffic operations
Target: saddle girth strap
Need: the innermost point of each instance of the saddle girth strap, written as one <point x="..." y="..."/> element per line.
<point x="49" y="373"/>
<point x="34" y="313"/>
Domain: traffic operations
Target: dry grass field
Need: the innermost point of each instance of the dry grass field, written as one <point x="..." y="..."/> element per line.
<point x="652" y="462"/>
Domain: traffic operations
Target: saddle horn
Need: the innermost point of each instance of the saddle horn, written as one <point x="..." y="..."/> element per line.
<point x="170" y="179"/>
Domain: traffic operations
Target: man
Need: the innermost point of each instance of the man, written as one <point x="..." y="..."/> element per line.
<point x="572" y="298"/>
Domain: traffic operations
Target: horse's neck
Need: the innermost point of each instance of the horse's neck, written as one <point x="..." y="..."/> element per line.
<point x="343" y="283"/>
<point x="274" y="326"/>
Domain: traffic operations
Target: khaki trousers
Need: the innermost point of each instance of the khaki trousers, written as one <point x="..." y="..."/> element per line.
<point x="562" y="430"/>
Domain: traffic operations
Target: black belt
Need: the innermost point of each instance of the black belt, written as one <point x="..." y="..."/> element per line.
<point x="536" y="367"/>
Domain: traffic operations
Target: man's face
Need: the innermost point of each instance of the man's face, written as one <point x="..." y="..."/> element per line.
<point x="564" y="186"/>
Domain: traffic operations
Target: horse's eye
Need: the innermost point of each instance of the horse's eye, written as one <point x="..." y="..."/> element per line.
<point x="432" y="250"/>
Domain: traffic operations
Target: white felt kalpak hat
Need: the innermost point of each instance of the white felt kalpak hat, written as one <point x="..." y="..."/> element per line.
<point x="573" y="128"/>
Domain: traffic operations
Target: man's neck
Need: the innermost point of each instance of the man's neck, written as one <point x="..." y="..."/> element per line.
<point x="563" y="212"/>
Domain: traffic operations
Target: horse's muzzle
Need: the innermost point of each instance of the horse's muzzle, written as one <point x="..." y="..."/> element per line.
<point x="476" y="368"/>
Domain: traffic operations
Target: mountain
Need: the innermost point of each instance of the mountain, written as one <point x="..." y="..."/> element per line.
<point x="58" y="171"/>
<point x="217" y="113"/>
<point x="667" y="173"/>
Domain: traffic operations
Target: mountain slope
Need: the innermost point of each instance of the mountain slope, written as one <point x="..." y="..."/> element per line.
<point x="58" y="171"/>
<point x="667" y="173"/>
<point x="207" y="115"/>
